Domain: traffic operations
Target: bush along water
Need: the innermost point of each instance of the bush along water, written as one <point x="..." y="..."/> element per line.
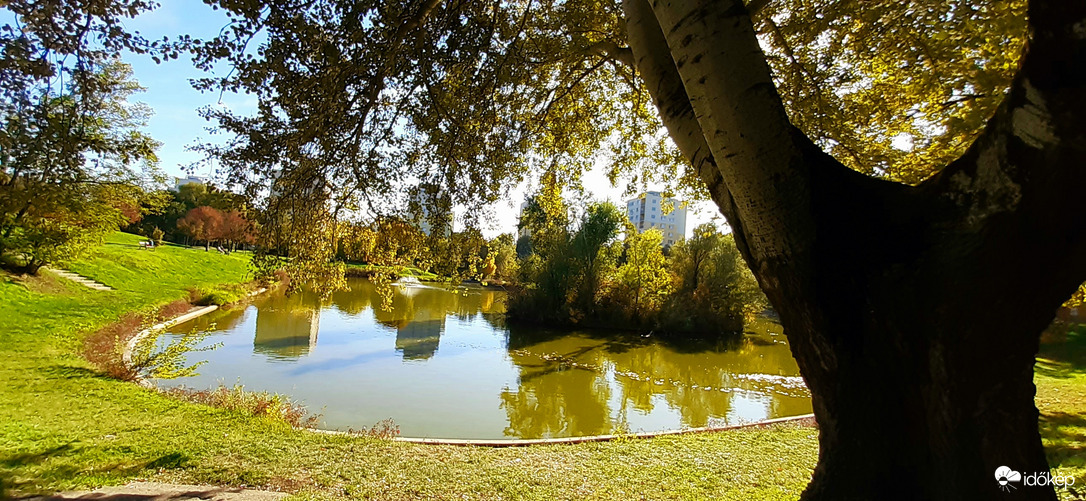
<point x="261" y="404"/>
<point x="589" y="276"/>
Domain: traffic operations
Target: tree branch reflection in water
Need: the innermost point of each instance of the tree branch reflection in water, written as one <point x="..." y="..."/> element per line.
<point x="589" y="383"/>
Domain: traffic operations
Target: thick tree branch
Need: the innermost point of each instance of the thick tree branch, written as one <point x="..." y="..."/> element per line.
<point x="754" y="7"/>
<point x="653" y="62"/>
<point x="1019" y="183"/>
<point x="761" y="157"/>
<point x="609" y="49"/>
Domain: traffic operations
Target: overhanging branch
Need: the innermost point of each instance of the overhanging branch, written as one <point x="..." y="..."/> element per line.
<point x="653" y="62"/>
<point x="609" y="49"/>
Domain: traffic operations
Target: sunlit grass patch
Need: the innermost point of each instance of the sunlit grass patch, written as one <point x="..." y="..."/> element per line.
<point x="1061" y="399"/>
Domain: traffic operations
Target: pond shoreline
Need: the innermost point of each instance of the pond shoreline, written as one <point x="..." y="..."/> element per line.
<point x="126" y="354"/>
<point x="438" y="342"/>
<point x="807" y="420"/>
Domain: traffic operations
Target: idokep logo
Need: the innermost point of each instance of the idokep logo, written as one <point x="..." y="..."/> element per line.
<point x="1007" y="479"/>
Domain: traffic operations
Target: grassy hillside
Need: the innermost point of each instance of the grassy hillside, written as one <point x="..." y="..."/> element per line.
<point x="64" y="426"/>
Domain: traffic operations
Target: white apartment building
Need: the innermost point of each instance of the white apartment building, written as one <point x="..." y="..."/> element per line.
<point x="522" y="231"/>
<point x="431" y="211"/>
<point x="647" y="211"/>
<point x="179" y="181"/>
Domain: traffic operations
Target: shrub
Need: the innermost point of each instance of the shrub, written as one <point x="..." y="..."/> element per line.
<point x="105" y="347"/>
<point x="219" y="295"/>
<point x="262" y="404"/>
<point x="169" y="362"/>
<point x="386" y="429"/>
<point x="156" y="236"/>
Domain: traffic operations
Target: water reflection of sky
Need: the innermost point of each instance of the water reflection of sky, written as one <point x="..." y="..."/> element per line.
<point x="444" y="364"/>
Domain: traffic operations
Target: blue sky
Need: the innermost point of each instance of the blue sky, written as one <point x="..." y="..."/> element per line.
<point x="177" y="124"/>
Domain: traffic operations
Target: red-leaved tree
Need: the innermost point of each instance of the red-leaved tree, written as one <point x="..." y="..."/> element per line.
<point x="202" y="224"/>
<point x="236" y="229"/>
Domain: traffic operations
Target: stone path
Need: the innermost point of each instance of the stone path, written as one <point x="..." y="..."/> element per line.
<point x="80" y="279"/>
<point x="154" y="491"/>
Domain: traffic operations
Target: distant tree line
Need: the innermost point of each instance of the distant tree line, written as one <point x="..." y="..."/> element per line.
<point x="198" y="213"/>
<point x="454" y="255"/>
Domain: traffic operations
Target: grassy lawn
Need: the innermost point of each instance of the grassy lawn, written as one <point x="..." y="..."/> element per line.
<point x="1061" y="398"/>
<point x="63" y="426"/>
<point x="403" y="271"/>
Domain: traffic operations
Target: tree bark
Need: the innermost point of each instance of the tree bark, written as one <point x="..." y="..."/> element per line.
<point x="887" y="292"/>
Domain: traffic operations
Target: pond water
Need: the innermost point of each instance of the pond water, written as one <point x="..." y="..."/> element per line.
<point x="443" y="363"/>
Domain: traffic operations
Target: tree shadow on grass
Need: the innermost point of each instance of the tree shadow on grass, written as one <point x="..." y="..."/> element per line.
<point x="148" y="492"/>
<point x="10" y="482"/>
<point x="1065" y="439"/>
<point x="29" y="473"/>
<point x="72" y="372"/>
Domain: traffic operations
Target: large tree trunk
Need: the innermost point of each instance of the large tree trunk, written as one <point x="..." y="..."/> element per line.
<point x="914" y="312"/>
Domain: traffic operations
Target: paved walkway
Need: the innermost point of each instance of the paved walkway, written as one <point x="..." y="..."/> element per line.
<point x="80" y="279"/>
<point x="153" y="491"/>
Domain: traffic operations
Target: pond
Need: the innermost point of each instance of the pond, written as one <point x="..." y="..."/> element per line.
<point x="443" y="363"/>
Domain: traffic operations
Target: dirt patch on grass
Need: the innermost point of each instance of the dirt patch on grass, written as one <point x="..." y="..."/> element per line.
<point x="174" y="310"/>
<point x="105" y="347"/>
<point x="158" y="491"/>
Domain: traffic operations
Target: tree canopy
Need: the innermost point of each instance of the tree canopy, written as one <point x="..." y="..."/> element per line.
<point x="858" y="75"/>
<point x="71" y="144"/>
<point x="472" y="96"/>
<point x="371" y="99"/>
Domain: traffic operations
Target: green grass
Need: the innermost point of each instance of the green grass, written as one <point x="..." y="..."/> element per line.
<point x="64" y="426"/>
<point x="403" y="271"/>
<point x="1061" y="397"/>
<point x="220" y="294"/>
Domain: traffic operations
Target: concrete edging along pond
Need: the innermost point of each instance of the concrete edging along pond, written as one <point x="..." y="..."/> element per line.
<point x="808" y="418"/>
<point x="126" y="355"/>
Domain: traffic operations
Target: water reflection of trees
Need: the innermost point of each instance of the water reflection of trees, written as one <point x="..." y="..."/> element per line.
<point x="591" y="382"/>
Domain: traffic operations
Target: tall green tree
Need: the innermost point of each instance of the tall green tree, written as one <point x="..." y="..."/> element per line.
<point x="691" y="257"/>
<point x="70" y="139"/>
<point x="590" y="250"/>
<point x="504" y="253"/>
<point x="644" y="280"/>
<point x="71" y="170"/>
<point x="876" y="265"/>
<point x="715" y="291"/>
